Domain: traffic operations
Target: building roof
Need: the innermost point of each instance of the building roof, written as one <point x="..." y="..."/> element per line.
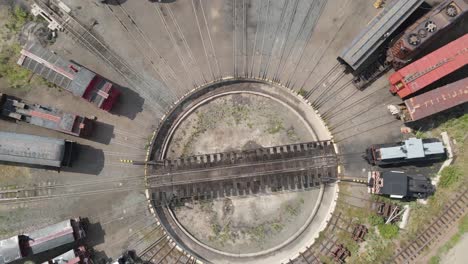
<point x="51" y="237"/>
<point x="412" y="148"/>
<point x="438" y="100"/>
<point x="30" y="149"/>
<point x="377" y="31"/>
<point x="430" y="68"/>
<point x="9" y="250"/>
<point x="394" y="183"/>
<point x="55" y="69"/>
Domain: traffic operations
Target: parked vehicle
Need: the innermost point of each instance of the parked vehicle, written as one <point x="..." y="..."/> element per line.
<point x="427" y="29"/>
<point x="410" y="150"/>
<point x="78" y="80"/>
<point x="44" y="116"/>
<point x="24" y="246"/>
<point x="432" y="102"/>
<point x="36" y="150"/>
<point x="397" y="36"/>
<point x="430" y="68"/>
<point x="365" y="56"/>
<point x="398" y="184"/>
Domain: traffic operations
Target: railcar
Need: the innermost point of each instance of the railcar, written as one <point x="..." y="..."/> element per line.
<point x="36" y="150"/>
<point x="426" y="30"/>
<point x="398" y="184"/>
<point x="365" y="56"/>
<point x="76" y="79"/>
<point x="25" y="246"/>
<point x="432" y="102"/>
<point x="44" y="116"/>
<point x="410" y="150"/>
<point x="430" y="68"/>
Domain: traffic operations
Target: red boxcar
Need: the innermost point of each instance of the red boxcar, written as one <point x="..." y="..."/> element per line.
<point x="430" y="68"/>
<point x="435" y="101"/>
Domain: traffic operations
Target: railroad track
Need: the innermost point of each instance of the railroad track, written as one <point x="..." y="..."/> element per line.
<point x="165" y="250"/>
<point x="454" y="211"/>
<point x="314" y="253"/>
<point x="97" y="47"/>
<point x="52" y="190"/>
<point x="264" y="170"/>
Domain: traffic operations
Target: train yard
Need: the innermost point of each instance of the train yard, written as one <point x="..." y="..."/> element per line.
<point x="247" y="120"/>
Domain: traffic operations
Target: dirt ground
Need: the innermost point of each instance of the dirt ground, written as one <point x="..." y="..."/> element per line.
<point x="248" y="224"/>
<point x="247" y="120"/>
<point x="458" y="254"/>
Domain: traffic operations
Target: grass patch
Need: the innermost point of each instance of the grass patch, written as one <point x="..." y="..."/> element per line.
<point x="274" y="126"/>
<point x="389" y="231"/>
<point x="449" y="176"/>
<point x="17" y="18"/>
<point x="302" y="92"/>
<point x="16" y="76"/>
<point x="375" y="220"/>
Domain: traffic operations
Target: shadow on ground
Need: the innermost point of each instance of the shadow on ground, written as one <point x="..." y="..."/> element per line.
<point x="88" y="160"/>
<point x="102" y="133"/>
<point x="94" y="233"/>
<point x="130" y="103"/>
<point x="112" y="2"/>
<point x="162" y="1"/>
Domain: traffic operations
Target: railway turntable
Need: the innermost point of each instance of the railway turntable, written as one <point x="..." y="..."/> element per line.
<point x="247" y="198"/>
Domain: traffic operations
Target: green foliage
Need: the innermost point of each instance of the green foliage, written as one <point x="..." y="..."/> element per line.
<point x="15" y="75"/>
<point x="434" y="260"/>
<point x="449" y="176"/>
<point x="388" y="231"/>
<point x="457" y="127"/>
<point x="302" y="92"/>
<point x="420" y="134"/>
<point x="18" y="18"/>
<point x="375" y="220"/>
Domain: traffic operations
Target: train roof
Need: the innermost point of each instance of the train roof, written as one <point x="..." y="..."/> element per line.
<point x="430" y="68"/>
<point x="412" y="148"/>
<point x="55" y="69"/>
<point x="9" y="250"/>
<point x="377" y="31"/>
<point x="394" y="183"/>
<point x="51" y="237"/>
<point x="38" y="115"/>
<point x="30" y="149"/>
<point x="438" y="100"/>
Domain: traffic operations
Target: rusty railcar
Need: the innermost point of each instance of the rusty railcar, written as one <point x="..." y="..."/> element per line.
<point x="365" y="56"/>
<point x="426" y="30"/>
<point x="432" y="102"/>
<point x="45" y="116"/>
<point x="430" y="68"/>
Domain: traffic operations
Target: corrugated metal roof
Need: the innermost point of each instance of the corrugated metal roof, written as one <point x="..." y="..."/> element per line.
<point x="57" y="70"/>
<point x="430" y="68"/>
<point x="377" y="31"/>
<point x="51" y="237"/>
<point x="438" y="100"/>
<point x="30" y="149"/>
<point x="9" y="250"/>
